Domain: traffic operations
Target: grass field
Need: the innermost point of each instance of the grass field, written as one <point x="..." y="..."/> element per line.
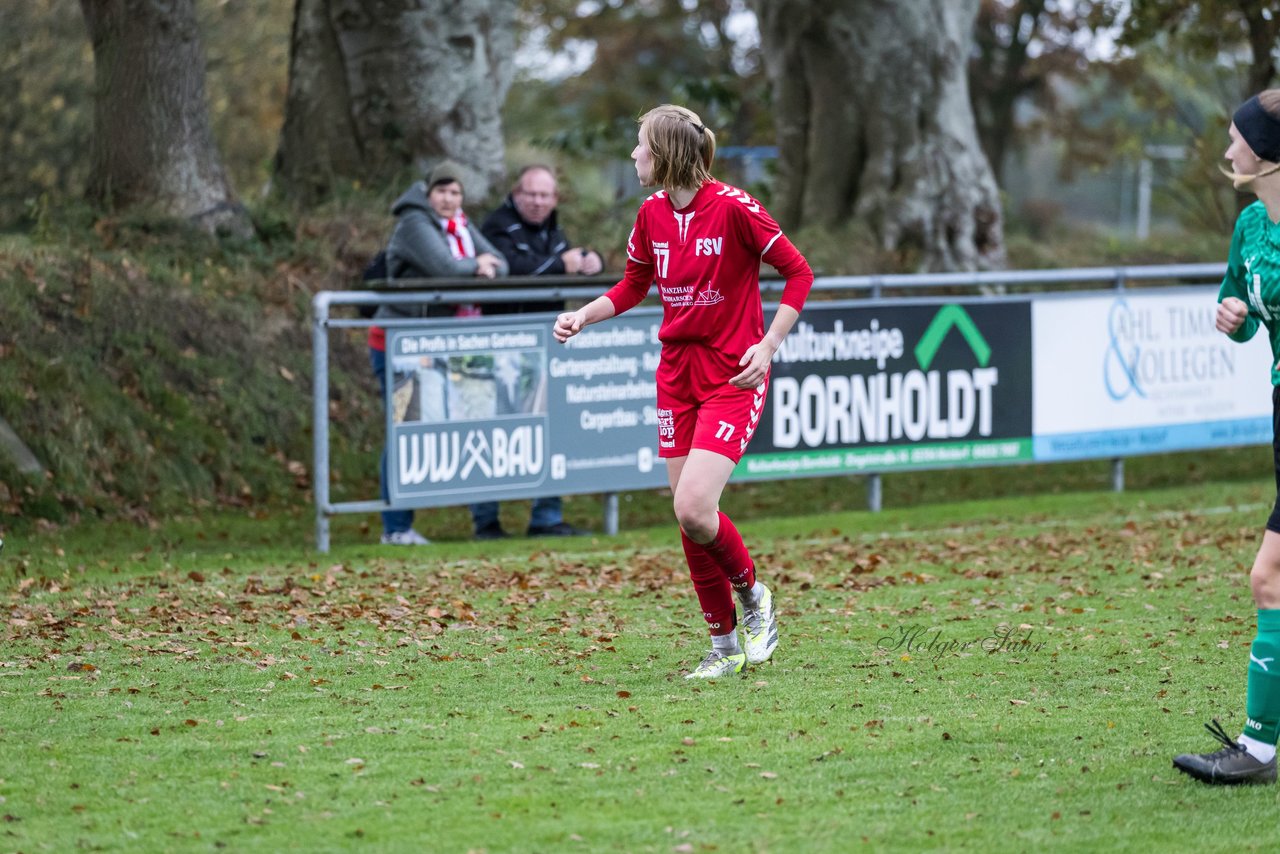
<point x="215" y="685"/>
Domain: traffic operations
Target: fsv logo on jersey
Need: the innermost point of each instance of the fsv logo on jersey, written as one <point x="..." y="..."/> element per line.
<point x="708" y="246"/>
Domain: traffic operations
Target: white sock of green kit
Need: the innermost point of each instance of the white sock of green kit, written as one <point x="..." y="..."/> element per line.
<point x="1259" y="750"/>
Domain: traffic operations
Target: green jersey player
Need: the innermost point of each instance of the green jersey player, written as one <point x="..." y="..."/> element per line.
<point x="1249" y="298"/>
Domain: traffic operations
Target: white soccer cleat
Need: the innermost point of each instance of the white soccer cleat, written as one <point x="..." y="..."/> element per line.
<point x="760" y="628"/>
<point x="718" y="664"/>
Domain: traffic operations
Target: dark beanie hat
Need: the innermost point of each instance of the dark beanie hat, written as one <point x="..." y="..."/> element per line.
<point x="444" y="172"/>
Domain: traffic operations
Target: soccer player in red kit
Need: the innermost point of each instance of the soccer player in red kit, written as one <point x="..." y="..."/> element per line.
<point x="702" y="242"/>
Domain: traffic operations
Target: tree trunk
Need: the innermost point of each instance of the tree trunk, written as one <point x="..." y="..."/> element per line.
<point x="376" y="86"/>
<point x="997" y="73"/>
<point x="874" y="123"/>
<point x="152" y="144"/>
<point x="1263" y="32"/>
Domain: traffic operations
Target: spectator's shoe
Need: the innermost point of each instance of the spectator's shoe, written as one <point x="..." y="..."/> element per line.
<point x="760" y="628"/>
<point x="717" y="664"/>
<point x="405" y="538"/>
<point x="559" y="529"/>
<point x="1230" y="766"/>
<point x="492" y="531"/>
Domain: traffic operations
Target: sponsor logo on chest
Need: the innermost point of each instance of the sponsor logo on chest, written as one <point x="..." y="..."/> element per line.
<point x="685" y="295"/>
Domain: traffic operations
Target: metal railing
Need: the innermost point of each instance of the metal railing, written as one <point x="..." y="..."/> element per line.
<point x="583" y="288"/>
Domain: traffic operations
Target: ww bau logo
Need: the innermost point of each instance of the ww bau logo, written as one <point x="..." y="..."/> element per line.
<point x="475" y="455"/>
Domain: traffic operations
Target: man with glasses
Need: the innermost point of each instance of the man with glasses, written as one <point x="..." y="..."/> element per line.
<point x="526" y="232"/>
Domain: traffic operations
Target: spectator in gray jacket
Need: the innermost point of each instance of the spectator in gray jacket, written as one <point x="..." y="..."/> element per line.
<point x="432" y="238"/>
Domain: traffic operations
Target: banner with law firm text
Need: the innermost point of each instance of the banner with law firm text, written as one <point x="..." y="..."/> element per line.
<point x="1144" y="372"/>
<point x="914" y="385"/>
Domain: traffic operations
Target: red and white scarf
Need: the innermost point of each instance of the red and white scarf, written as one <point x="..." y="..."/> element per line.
<point x="458" y="236"/>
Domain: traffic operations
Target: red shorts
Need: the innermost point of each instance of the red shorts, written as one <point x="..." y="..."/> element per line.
<point x="697" y="408"/>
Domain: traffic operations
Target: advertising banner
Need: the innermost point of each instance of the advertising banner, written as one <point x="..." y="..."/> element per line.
<point x="892" y="387"/>
<point x="1141" y="373"/>
<point x="496" y="409"/>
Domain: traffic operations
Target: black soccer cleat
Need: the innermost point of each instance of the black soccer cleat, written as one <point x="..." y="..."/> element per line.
<point x="1230" y="766"/>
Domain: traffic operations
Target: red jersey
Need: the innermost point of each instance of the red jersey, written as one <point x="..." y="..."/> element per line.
<point x="705" y="259"/>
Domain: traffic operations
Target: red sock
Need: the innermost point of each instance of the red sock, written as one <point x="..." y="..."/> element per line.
<point x="709" y="582"/>
<point x="730" y="554"/>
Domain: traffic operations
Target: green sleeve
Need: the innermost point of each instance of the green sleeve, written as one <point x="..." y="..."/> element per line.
<point x="1235" y="284"/>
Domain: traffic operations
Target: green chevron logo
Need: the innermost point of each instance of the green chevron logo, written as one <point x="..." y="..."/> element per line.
<point x="947" y="317"/>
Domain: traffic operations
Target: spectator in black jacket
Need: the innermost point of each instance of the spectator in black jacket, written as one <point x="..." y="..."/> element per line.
<point x="526" y="233"/>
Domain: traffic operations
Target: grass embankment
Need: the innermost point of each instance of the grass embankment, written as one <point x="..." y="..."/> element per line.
<point x="213" y="684"/>
<point x="152" y="370"/>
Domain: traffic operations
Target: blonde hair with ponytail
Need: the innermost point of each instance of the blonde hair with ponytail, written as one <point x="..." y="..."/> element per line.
<point x="682" y="147"/>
